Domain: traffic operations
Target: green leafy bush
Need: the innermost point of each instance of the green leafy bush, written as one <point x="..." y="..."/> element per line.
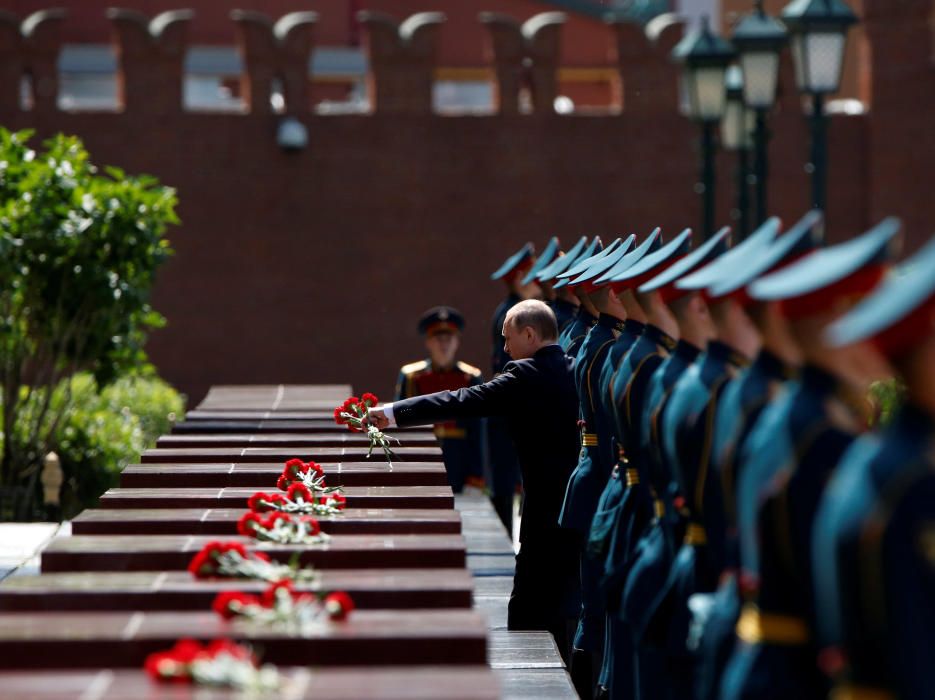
<point x="79" y="250"/>
<point x="103" y="430"/>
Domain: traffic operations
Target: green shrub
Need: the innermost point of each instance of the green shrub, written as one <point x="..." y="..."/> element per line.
<point x="103" y="430"/>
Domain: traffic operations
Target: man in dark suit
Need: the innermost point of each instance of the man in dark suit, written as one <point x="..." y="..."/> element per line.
<point x="536" y="395"/>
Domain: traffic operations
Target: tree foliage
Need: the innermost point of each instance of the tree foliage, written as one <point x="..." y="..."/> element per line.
<point x="79" y="250"/>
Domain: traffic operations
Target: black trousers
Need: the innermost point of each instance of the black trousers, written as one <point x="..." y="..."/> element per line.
<point x="545" y="592"/>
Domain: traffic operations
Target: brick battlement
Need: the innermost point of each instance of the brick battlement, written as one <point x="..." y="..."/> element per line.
<point x="416" y="207"/>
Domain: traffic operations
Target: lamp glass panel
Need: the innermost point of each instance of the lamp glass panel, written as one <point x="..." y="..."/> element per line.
<point x="733" y="125"/>
<point x="760" y="76"/>
<point x="710" y="93"/>
<point x="825" y="59"/>
<point x="800" y="61"/>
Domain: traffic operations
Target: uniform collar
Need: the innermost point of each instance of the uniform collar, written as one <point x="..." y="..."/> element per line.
<point x="659" y="337"/>
<point x="585" y="317"/>
<point x="631" y="325"/>
<point x="913" y="420"/>
<point x="687" y="351"/>
<point x="611" y="322"/>
<point x="770" y="365"/>
<point x="548" y="350"/>
<point x="564" y="303"/>
<point x="818" y="379"/>
<point x="725" y="353"/>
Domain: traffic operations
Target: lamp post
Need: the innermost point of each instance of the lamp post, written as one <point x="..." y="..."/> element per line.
<point x="736" y="131"/>
<point x="818" y="29"/>
<point x="759" y="38"/>
<point x="704" y="57"/>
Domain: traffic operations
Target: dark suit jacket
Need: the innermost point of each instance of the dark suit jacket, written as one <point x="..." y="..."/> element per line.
<point x="538" y="398"/>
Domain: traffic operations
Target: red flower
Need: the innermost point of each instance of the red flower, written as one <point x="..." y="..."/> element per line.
<point x="274" y="518"/>
<point x="222" y="604"/>
<point x="293" y="467"/>
<point x="260" y="502"/>
<point x="316" y="467"/>
<point x="249" y="523"/>
<point x="338" y="500"/>
<point x="338" y="418"/>
<point x="226" y="646"/>
<point x="299" y="490"/>
<point x="282" y="483"/>
<point x="262" y="556"/>
<point x="269" y="595"/>
<point x="338" y="605"/>
<point x="161" y="666"/>
<point x="312" y="524"/>
<point x="370" y="399"/>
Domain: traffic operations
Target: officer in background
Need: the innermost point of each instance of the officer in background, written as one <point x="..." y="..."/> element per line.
<point x="504" y="464"/>
<point x="562" y="302"/>
<point x="874" y="537"/>
<point x="460" y="440"/>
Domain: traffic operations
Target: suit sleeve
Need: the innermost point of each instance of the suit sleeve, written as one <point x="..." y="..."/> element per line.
<point x="488" y="399"/>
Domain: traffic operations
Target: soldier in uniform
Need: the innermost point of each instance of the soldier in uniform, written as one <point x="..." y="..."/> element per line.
<point x="504" y="465"/>
<point x="652" y="554"/>
<point x="574" y="334"/>
<point x="543" y="260"/>
<point x="460" y="440"/>
<point x="583" y="487"/>
<point x="686" y="433"/>
<point x="739" y="406"/>
<point x="786" y="461"/>
<point x="874" y="537"/>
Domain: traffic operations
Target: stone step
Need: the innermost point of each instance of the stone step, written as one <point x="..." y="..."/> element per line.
<point x="223" y="521"/>
<point x="287" y="441"/>
<point x="220" y="455"/>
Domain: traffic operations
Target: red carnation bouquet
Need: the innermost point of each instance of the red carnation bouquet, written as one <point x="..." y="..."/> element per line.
<point x="281" y="528"/>
<point x="310" y="474"/>
<point x="221" y="663"/>
<point x="233" y="560"/>
<point x="353" y="414"/>
<point x="298" y="500"/>
<point x="281" y="604"/>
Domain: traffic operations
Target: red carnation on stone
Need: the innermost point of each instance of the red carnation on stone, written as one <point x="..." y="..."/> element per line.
<point x="228" y="604"/>
<point x="299" y="491"/>
<point x="312" y="524"/>
<point x="268" y="598"/>
<point x="338" y="605"/>
<point x="274" y="518"/>
<point x="226" y="646"/>
<point x="293" y="467"/>
<point x="248" y="524"/>
<point x="282" y="483"/>
<point x="260" y="502"/>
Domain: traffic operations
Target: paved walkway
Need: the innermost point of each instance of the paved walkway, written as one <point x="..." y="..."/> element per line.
<point x="20" y="544"/>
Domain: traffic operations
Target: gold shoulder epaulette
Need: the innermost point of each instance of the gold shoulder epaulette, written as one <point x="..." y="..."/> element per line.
<point x="468" y="369"/>
<point x="414" y="367"/>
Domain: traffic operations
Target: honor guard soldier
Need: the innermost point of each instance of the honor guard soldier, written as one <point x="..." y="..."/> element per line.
<point x="504" y="465"/>
<point x="686" y="432"/>
<point x="574" y="334"/>
<point x="648" y="564"/>
<point x="563" y="302"/>
<point x="625" y="501"/>
<point x="543" y="260"/>
<point x="738" y="408"/>
<point x="788" y="458"/>
<point x="595" y="460"/>
<point x="874" y="535"/>
<point x="460" y="440"/>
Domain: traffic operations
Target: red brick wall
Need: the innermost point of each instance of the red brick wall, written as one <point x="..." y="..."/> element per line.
<point x="313" y="267"/>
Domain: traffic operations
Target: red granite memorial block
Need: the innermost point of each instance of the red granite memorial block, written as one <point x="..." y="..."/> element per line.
<point x="305" y="442"/>
<point x="318" y="416"/>
<point x="382" y="683"/>
<point x="209" y="455"/>
<point x="434" y="497"/>
<point x="275" y="396"/>
<point x="123" y="639"/>
<point x="263" y="476"/>
<point x="253" y="425"/>
<point x="223" y="522"/>
<point x="174" y="552"/>
<point x="179" y="590"/>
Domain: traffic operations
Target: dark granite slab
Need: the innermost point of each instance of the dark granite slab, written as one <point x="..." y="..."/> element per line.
<point x="209" y="455"/>
<point x="124" y="639"/>
<point x="375" y="472"/>
<point x="300" y="683"/>
<point x="250" y="423"/>
<point x="223" y="521"/>
<point x="179" y="590"/>
<point x="343" y="438"/>
<point x="174" y="552"/>
<point x="236" y="497"/>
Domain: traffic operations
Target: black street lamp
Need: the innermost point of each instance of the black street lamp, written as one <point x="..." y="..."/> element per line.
<point x="736" y="135"/>
<point x="759" y="39"/>
<point x="704" y="57"/>
<point x="818" y="29"/>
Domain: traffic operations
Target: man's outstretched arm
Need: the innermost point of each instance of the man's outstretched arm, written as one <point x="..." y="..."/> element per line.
<point x="495" y="397"/>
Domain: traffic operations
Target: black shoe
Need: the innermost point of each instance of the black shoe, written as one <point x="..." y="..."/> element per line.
<point x="581" y="674"/>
